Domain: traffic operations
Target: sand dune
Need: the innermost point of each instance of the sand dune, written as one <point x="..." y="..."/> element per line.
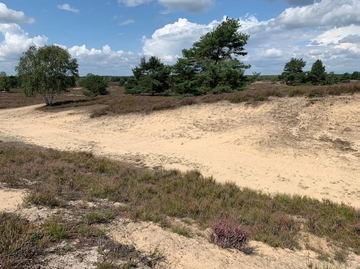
<point x="297" y="146"/>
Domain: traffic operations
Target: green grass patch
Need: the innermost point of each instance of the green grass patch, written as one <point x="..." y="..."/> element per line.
<point x="181" y="230"/>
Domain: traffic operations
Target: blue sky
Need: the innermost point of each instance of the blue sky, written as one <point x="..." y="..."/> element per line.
<point x="109" y="37"/>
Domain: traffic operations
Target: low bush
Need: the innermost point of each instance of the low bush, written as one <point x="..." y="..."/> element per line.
<point x="227" y="234"/>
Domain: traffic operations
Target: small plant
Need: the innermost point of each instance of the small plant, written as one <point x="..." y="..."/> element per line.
<point x="227" y="234"/>
<point x="18" y="242"/>
<point x="181" y="231"/>
<point x="55" y="229"/>
<point x="341" y="255"/>
<point x="96" y="217"/>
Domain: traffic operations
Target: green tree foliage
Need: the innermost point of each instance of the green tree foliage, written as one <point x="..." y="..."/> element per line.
<point x="150" y="77"/>
<point x="95" y="85"/>
<point x="4" y="82"/>
<point x="46" y="71"/>
<point x="211" y="65"/>
<point x="332" y="78"/>
<point x="293" y="72"/>
<point x="317" y="74"/>
<point x="355" y="75"/>
<point x="345" y="77"/>
<point x="14" y="82"/>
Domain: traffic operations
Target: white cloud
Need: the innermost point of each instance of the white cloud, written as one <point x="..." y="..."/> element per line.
<point x="327" y="30"/>
<point x="16" y="41"/>
<point x="272" y="53"/>
<point x="350" y="39"/>
<point x="325" y="13"/>
<point x="338" y="35"/>
<point x="104" y="61"/>
<point x="295" y="2"/>
<point x="11" y="16"/>
<point x="133" y="3"/>
<point x="197" y="6"/>
<point x="167" y="42"/>
<point x="67" y="7"/>
<point x="127" y="22"/>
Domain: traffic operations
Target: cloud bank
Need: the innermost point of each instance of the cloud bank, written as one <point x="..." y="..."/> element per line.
<point x="197" y="6"/>
<point x="328" y="30"/>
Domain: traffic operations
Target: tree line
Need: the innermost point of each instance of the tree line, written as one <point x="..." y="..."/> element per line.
<point x="211" y="65"/>
<point x="293" y="74"/>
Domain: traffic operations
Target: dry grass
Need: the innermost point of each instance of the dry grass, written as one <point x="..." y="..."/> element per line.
<point x="119" y="103"/>
<point x="155" y="195"/>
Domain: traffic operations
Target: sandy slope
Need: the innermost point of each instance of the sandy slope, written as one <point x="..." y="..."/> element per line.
<point x="298" y="146"/>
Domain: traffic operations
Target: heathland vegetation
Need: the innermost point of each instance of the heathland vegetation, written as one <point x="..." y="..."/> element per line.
<point x="208" y="72"/>
<point x="56" y="179"/>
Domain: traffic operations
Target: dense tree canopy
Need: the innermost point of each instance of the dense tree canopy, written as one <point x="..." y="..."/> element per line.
<point x="4" y="82"/>
<point x="95" y="85"/>
<point x="317" y="74"/>
<point x="293" y="72"/>
<point x="150" y="76"/>
<point x="212" y="64"/>
<point x="355" y="75"/>
<point x="46" y="71"/>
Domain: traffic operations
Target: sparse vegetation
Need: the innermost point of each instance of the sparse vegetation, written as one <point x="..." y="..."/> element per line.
<point x="157" y="195"/>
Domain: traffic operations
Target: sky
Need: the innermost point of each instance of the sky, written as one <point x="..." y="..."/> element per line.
<point x="108" y="37"/>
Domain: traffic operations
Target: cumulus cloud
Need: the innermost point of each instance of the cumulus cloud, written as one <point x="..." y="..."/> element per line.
<point x="104" y="61"/>
<point x="295" y="2"/>
<point x="133" y="3"/>
<point x="11" y="16"/>
<point x="168" y="41"/>
<point x="325" y="13"/>
<point x="327" y="30"/>
<point x="16" y="41"/>
<point x="67" y="7"/>
<point x="350" y="39"/>
<point x="338" y="35"/>
<point x="197" y="6"/>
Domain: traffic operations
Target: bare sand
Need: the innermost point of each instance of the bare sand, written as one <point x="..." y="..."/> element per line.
<point x="290" y="145"/>
<point x="296" y="146"/>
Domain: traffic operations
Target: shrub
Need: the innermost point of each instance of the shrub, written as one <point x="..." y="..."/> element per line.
<point x="227" y="234"/>
<point x="296" y="92"/>
<point x="95" y="85"/>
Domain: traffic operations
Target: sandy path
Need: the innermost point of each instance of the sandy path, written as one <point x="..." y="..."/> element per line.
<point x="287" y="145"/>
